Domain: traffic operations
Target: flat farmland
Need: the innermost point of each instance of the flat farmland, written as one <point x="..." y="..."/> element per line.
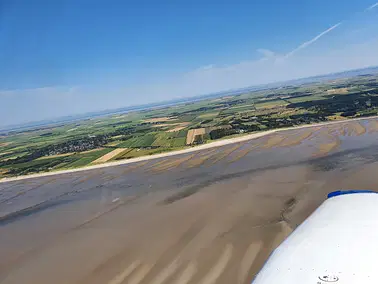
<point x="66" y="145"/>
<point x="109" y="155"/>
<point x="193" y="133"/>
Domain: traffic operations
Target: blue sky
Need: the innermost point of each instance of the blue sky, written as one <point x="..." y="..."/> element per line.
<point x="66" y="57"/>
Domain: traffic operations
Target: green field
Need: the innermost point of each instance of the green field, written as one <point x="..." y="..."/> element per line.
<point x="79" y="143"/>
<point x="138" y="142"/>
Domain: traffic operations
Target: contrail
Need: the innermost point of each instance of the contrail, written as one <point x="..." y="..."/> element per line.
<point x="372" y="7"/>
<point x="307" y="43"/>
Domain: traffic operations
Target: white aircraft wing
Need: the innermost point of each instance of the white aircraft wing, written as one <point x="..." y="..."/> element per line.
<point x="337" y="244"/>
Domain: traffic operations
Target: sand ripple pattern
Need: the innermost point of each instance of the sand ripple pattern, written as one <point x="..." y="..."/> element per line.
<point x="177" y="273"/>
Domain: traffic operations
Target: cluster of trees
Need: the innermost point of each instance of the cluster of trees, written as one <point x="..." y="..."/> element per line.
<point x="207" y="121"/>
<point x="41" y="166"/>
<point x="240" y="124"/>
<point x="77" y="145"/>
<point x="219" y="133"/>
<point x="307" y="118"/>
<point x="349" y="104"/>
<point x="46" y="134"/>
<point x="289" y="95"/>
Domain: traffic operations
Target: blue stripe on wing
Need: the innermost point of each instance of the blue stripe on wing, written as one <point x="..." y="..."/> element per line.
<point x="346" y="192"/>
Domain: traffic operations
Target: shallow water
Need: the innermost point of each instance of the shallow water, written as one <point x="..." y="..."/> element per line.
<point x="87" y="227"/>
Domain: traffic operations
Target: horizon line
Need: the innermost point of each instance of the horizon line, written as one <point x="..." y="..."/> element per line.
<point x="80" y="116"/>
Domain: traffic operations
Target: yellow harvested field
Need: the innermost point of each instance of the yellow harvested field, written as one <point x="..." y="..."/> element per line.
<point x="176" y="129"/>
<point x="337" y="117"/>
<point x="93" y="150"/>
<point x="166" y="125"/>
<point x="176" y="126"/>
<point x="193" y="133"/>
<point x="109" y="156"/>
<point x="4" y="153"/>
<point x="209" y="115"/>
<point x="9" y="159"/>
<point x="113" y="144"/>
<point x="180" y="126"/>
<point x="117" y="137"/>
<point x="338" y="91"/>
<point x="4" y="144"/>
<point x="190" y="137"/>
<point x="199" y="131"/>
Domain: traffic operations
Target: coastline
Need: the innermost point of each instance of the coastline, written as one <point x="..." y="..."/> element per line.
<point x="218" y="143"/>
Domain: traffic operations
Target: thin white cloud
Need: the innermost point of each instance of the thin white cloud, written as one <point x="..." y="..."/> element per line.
<point x="266" y="52"/>
<point x="207" y="67"/>
<point x="253" y="72"/>
<point x="57" y="91"/>
<point x="372" y="7"/>
<point x="308" y="43"/>
<point x="58" y="101"/>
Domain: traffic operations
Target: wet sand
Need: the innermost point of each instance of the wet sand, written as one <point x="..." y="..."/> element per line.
<point x="210" y="216"/>
<point x="225" y="141"/>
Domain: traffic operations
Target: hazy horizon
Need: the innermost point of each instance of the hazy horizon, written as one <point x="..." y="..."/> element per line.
<point x="161" y="103"/>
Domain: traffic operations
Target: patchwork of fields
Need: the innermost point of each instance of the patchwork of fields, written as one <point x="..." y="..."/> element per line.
<point x="153" y="131"/>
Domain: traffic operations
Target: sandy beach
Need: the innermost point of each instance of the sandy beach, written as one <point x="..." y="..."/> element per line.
<point x="174" y="153"/>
